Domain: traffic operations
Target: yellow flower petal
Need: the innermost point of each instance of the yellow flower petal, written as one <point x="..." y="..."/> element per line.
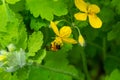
<point x="95" y="21"/>
<point x="54" y="27"/>
<point x="69" y="40"/>
<point x="80" y="16"/>
<point x="81" y="5"/>
<point x="2" y="57"/>
<point x="81" y="40"/>
<point x="65" y="31"/>
<point x="93" y="8"/>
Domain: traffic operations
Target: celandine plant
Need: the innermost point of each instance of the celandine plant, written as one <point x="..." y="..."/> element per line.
<point x="59" y="39"/>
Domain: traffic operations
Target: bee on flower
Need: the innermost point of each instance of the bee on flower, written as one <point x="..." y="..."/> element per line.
<point x="89" y="10"/>
<point x="54" y="46"/>
<point x="62" y="36"/>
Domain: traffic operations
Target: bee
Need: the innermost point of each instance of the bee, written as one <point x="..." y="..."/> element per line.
<point x="55" y="47"/>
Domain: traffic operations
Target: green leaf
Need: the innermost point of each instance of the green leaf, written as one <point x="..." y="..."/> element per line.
<point x="12" y="1"/>
<point x="19" y="6"/>
<point x="107" y="15"/>
<point x="114" y="33"/>
<point x="11" y="35"/>
<point x="7" y="76"/>
<point x="116" y="5"/>
<point x="56" y="67"/>
<point x="10" y="31"/>
<point x="35" y="42"/>
<point x="22" y="73"/>
<point x="115" y="75"/>
<point x="36" y="24"/>
<point x="81" y="24"/>
<point x="112" y="62"/>
<point x="22" y="37"/>
<point x="58" y="60"/>
<point x="47" y="8"/>
<point x="41" y="56"/>
<point x="15" y="33"/>
<point x="111" y="35"/>
<point x="6" y="15"/>
<point x="3" y="17"/>
<point x="1" y="2"/>
<point x="37" y="73"/>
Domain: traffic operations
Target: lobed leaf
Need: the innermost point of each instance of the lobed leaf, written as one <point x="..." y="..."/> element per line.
<point x="35" y="42"/>
<point x="114" y="75"/>
<point x="47" y="8"/>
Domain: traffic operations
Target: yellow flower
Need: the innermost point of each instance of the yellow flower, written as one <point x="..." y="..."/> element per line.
<point x="81" y="40"/>
<point x="62" y="35"/>
<point x="89" y="10"/>
<point x="2" y="57"/>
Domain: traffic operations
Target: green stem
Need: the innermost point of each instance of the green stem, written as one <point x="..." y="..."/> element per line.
<point x="83" y="58"/>
<point x="60" y="71"/>
<point x="104" y="48"/>
<point x="78" y="30"/>
<point x="85" y="64"/>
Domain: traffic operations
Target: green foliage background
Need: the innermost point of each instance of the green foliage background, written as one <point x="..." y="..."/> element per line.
<point x="26" y="23"/>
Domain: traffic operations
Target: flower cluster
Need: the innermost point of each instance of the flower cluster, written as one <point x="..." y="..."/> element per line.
<point x="63" y="34"/>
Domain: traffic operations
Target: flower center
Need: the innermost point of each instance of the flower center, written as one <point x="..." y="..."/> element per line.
<point x="58" y="40"/>
<point x="90" y="11"/>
